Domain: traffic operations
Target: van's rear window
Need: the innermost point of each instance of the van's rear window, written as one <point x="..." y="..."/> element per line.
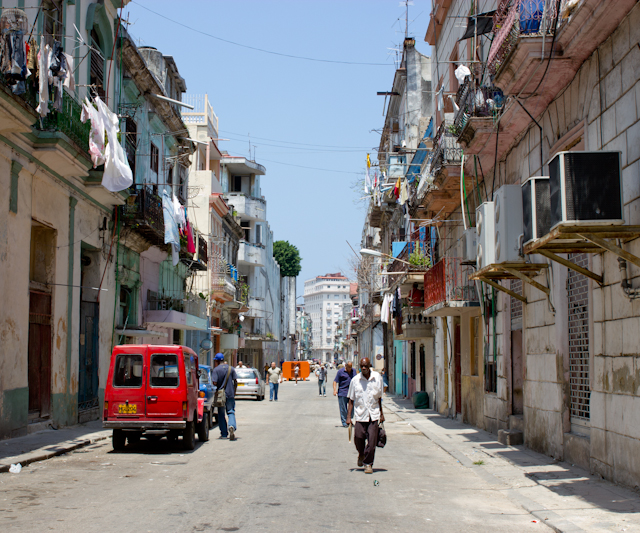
<point x="128" y="371"/>
<point x="164" y="370"/>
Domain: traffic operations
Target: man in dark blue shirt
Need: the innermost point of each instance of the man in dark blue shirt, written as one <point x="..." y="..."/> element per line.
<point x="219" y="378"/>
<point x="341" y="389"/>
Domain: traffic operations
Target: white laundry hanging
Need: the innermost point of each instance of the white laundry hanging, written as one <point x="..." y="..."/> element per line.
<point x="96" y="137"/>
<point x="44" y="60"/>
<point x="117" y="174"/>
<point x="171" y="235"/>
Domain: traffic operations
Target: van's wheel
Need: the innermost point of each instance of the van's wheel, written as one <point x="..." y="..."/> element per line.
<point x="134" y="438"/>
<point x="203" y="428"/>
<point x="189" y="436"/>
<point x="118" y="440"/>
<point x="211" y="416"/>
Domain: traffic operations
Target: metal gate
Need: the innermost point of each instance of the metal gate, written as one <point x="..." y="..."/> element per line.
<point x="578" y="300"/>
<point x="88" y="357"/>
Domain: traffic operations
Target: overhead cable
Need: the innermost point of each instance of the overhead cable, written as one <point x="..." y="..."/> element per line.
<point x="291" y="56"/>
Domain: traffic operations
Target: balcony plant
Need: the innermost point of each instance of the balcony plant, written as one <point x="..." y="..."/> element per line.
<point x="419" y="258"/>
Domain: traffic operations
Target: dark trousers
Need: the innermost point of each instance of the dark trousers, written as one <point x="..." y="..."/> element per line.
<point x="365" y="438"/>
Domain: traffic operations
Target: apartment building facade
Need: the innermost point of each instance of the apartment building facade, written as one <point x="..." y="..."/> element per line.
<point x="324" y="297"/>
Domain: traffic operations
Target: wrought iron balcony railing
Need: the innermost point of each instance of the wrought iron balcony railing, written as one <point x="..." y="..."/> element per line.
<point x="68" y="122"/>
<point x="143" y="212"/>
<point x="446" y="150"/>
<point x="474" y="101"/>
<point x="516" y="19"/>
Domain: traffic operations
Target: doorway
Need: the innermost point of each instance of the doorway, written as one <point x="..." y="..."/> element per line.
<point x="88" y="353"/>
<point x="517" y="357"/>
<point x="41" y="276"/>
<point x="457" y="367"/>
<point x="423" y="369"/>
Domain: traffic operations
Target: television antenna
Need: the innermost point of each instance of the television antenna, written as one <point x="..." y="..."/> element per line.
<point x="406" y="4"/>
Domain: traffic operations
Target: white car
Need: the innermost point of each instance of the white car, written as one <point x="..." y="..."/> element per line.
<point x="250" y="383"/>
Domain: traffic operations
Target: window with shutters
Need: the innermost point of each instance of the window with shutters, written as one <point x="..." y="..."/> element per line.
<point x="52" y="27"/>
<point x="578" y="301"/>
<point x="154" y="158"/>
<point x="96" y="68"/>
<point x="131" y="142"/>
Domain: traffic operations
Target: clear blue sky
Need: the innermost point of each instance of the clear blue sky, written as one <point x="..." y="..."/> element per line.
<point x="329" y="108"/>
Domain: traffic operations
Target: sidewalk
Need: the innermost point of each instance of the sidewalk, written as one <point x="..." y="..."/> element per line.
<point x="564" y="497"/>
<point x="49" y="443"/>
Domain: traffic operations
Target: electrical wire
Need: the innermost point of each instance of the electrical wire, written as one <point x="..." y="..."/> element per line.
<point x="227" y="132"/>
<point x="291" y="56"/>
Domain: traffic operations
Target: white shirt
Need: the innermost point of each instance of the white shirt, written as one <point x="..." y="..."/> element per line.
<point x="366" y="394"/>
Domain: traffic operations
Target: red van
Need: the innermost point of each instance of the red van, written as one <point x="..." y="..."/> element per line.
<point x="153" y="391"/>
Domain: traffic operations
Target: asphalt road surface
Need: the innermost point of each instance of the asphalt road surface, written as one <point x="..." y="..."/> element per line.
<point x="291" y="469"/>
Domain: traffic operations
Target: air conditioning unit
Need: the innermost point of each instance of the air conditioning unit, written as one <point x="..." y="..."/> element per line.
<point x="536" y="209"/>
<point x="486" y="235"/>
<point x="469" y="245"/>
<point x="586" y="187"/>
<point x="507" y="208"/>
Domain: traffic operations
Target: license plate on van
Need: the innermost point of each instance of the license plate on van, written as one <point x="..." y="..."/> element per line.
<point x="240" y="384"/>
<point x="127" y="409"/>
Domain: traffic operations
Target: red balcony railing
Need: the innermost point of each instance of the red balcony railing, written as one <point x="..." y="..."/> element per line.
<point x="448" y="281"/>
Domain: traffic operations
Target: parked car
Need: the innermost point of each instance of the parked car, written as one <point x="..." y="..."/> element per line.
<point x="250" y="383"/>
<point x="208" y="388"/>
<point x="152" y="391"/>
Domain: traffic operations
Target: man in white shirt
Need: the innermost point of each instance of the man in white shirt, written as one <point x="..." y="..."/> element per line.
<point x="365" y="402"/>
<point x="241" y="365"/>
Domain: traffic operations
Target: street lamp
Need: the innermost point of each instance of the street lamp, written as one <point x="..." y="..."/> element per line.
<point x="375" y="253"/>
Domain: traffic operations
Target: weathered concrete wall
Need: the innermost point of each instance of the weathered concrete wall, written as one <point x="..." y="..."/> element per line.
<point x="600" y="108"/>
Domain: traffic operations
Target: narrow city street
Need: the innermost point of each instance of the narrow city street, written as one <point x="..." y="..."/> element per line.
<point x="290" y="469"/>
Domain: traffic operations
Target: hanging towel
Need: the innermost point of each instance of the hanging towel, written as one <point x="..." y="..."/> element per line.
<point x="191" y="245"/>
<point x="384" y="310"/>
<point x="43" y="82"/>
<point x="69" y="80"/>
<point x="404" y="194"/>
<point x="171" y="235"/>
<point x="117" y="174"/>
<point x="96" y="136"/>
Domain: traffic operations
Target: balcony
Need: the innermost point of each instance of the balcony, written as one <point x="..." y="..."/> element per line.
<point x="516" y="55"/>
<point x="223" y="288"/>
<point x="202" y="113"/>
<point x="479" y="107"/>
<point x="250" y="254"/>
<point x="250" y="207"/>
<point x="446" y="150"/>
<point x="448" y="289"/>
<point x="143" y="213"/>
<point x="415" y="325"/>
<point x="520" y="30"/>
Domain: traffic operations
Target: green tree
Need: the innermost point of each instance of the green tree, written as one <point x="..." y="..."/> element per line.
<point x="288" y="257"/>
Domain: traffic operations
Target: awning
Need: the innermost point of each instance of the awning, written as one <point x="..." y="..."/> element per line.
<point x="485" y="24"/>
<point x="129" y="332"/>
<point x="418" y="158"/>
<point x="176" y="320"/>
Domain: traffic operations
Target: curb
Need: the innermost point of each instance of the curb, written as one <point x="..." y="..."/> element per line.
<point x="43" y="456"/>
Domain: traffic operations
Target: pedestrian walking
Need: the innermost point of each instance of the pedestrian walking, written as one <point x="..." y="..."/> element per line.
<point x="275" y="378"/>
<point x="224" y="376"/>
<point x="341" y="389"/>
<point x="321" y="372"/>
<point x="365" y="403"/>
<point x="385" y="380"/>
<point x="296" y="372"/>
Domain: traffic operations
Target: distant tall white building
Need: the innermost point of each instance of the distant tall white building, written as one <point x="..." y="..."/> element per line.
<point x="324" y="297"/>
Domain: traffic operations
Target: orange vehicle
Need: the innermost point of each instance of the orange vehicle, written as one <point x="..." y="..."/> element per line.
<point x="288" y="372"/>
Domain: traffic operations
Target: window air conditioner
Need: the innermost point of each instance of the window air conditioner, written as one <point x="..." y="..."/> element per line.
<point x="486" y="235"/>
<point x="508" y="223"/>
<point x="586" y="187"/>
<point x="469" y="245"/>
<point x="536" y="209"/>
